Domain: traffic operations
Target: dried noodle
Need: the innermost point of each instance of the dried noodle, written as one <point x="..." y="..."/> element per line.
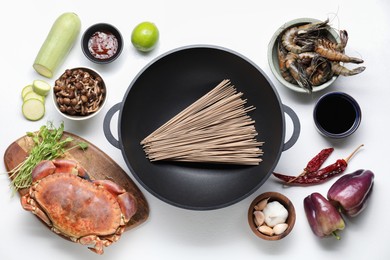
<point x="214" y="129"/>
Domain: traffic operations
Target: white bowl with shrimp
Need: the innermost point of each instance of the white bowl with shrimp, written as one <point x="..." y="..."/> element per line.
<point x="273" y="59"/>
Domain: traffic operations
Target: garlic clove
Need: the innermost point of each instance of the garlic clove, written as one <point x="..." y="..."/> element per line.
<point x="258" y="218"/>
<point x="262" y="204"/>
<point x="280" y="228"/>
<point x="266" y="230"/>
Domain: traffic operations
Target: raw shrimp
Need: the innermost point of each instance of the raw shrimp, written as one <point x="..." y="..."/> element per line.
<point x="328" y="44"/>
<point x="282" y="53"/>
<point x="306" y="58"/>
<point x="339" y="69"/>
<point x="322" y="71"/>
<point x="319" y="70"/>
<point x="288" y="36"/>
<point x="333" y="55"/>
<point x="316" y="67"/>
<point x="297" y="72"/>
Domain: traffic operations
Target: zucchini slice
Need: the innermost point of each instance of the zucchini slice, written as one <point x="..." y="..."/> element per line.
<point x="26" y="90"/>
<point x="33" y="109"/>
<point x="41" y="87"/>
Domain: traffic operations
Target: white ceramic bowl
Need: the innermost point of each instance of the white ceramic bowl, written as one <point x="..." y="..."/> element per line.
<point x="90" y="115"/>
<point x="273" y="60"/>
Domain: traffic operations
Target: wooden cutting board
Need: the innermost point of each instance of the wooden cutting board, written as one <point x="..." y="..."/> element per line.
<point x="96" y="162"/>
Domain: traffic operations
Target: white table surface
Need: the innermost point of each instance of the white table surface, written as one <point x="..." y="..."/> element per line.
<point x="243" y="26"/>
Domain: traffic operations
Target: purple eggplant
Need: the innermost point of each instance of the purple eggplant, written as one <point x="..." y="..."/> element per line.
<point x="350" y="192"/>
<point x="324" y="219"/>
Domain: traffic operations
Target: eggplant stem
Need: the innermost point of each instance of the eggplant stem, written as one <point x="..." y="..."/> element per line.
<point x="334" y="233"/>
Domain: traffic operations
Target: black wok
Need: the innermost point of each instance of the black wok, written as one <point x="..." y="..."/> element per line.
<point x="168" y="85"/>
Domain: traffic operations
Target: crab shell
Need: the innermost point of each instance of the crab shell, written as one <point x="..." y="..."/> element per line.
<point x="89" y="212"/>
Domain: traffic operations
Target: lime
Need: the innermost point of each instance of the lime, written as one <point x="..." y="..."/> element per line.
<point x="145" y="36"/>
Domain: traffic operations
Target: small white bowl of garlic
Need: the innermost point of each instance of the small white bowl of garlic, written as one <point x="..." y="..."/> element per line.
<point x="271" y="216"/>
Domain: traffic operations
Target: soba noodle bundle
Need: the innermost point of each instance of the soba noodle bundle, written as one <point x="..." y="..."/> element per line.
<point x="214" y="129"/>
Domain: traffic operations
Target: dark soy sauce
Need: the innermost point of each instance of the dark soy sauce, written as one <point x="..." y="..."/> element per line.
<point x="335" y="114"/>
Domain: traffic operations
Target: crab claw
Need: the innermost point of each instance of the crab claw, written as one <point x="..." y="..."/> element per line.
<point x="69" y="166"/>
<point x="126" y="201"/>
<point x="128" y="205"/>
<point x="110" y="186"/>
<point x="43" y="169"/>
<point x="65" y="166"/>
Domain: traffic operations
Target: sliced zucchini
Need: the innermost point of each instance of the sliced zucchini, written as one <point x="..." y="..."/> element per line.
<point x="41" y="87"/>
<point x="33" y="109"/>
<point x="26" y="89"/>
<point x="33" y="94"/>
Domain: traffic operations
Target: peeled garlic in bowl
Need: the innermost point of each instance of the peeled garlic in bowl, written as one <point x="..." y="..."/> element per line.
<point x="256" y="216"/>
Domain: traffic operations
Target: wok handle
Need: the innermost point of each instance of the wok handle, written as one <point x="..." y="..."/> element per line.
<point x="106" y="125"/>
<point x="297" y="127"/>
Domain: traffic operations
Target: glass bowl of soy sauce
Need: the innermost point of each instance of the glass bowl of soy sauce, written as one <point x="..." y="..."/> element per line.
<point x="337" y="115"/>
<point x="102" y="43"/>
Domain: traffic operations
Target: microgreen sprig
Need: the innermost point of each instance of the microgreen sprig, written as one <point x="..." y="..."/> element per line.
<point x="47" y="146"/>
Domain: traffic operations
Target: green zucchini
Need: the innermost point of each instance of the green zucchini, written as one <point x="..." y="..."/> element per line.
<point x="57" y="44"/>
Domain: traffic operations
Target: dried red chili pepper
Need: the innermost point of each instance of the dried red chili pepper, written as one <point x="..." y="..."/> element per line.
<point x="320" y="175"/>
<point x="315" y="163"/>
<point x="335" y="168"/>
<point x="288" y="179"/>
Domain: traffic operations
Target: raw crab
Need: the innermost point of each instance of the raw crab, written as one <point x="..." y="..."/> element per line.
<point x="89" y="212"/>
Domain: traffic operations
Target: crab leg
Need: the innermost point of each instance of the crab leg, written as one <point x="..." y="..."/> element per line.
<point x="92" y="239"/>
<point x="98" y="243"/>
<point x="30" y="205"/>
